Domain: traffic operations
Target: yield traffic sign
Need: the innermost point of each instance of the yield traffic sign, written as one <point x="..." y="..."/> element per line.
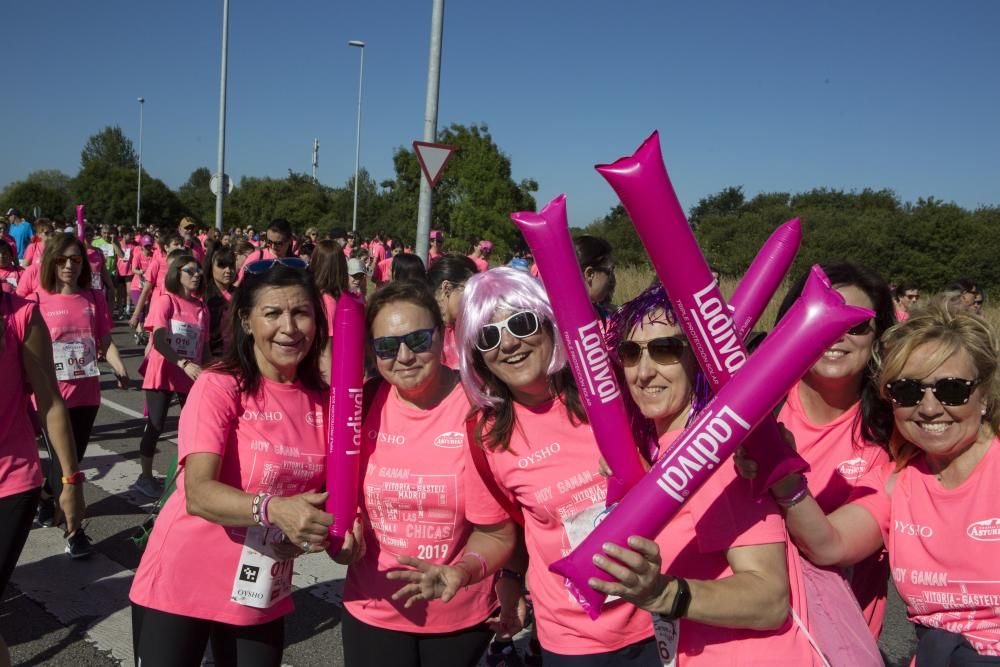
<point x="432" y="159"/>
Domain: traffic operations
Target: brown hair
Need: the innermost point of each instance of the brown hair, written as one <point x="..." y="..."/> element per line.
<point x="328" y="267"/>
<point x="408" y="291"/>
<point x="43" y="224"/>
<point x="178" y="259"/>
<point x="55" y="247"/>
<point x="952" y="330"/>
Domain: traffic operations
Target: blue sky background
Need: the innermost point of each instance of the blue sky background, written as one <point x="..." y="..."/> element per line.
<point x="770" y="95"/>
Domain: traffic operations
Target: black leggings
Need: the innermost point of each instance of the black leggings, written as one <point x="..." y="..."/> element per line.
<point x="160" y="639"/>
<point x="17" y="512"/>
<point x="366" y="645"/>
<point x="81" y="422"/>
<point x="157" y="404"/>
<point x="640" y="654"/>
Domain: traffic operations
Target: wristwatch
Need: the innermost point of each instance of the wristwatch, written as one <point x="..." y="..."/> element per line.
<point x="75" y="478"/>
<point x="682" y="600"/>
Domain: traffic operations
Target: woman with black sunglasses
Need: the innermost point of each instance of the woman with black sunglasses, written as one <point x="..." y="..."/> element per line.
<point x="841" y="426"/>
<point x="413" y="496"/>
<point x="935" y="507"/>
<point x="541" y="462"/>
<point x="721" y="561"/>
<point x="252" y="460"/>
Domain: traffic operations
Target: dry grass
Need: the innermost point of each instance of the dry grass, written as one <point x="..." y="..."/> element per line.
<point x="632" y="280"/>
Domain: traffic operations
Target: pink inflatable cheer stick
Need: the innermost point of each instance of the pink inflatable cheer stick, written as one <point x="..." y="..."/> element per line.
<point x="644" y="188"/>
<point x="764" y="276"/>
<point x="79" y="221"/>
<point x="817" y="319"/>
<point x="547" y="233"/>
<point x="344" y="434"/>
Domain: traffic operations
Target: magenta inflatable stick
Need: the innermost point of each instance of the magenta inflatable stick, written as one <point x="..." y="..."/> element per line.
<point x="547" y="233"/>
<point x="644" y="188"/>
<point x="344" y="429"/>
<point x="79" y="221"/>
<point x="817" y="319"/>
<point x="764" y="276"/>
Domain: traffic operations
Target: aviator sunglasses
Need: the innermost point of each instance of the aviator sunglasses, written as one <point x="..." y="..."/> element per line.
<point x="907" y="393"/>
<point x="417" y="341"/>
<point x="665" y="351"/>
<point x="520" y="325"/>
<point x="260" y="266"/>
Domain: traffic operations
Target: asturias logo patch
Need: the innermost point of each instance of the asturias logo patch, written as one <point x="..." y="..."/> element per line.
<point x="450" y="440"/>
<point x="987" y="530"/>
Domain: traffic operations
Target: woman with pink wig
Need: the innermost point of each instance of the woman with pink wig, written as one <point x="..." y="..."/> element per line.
<point x="541" y="460"/>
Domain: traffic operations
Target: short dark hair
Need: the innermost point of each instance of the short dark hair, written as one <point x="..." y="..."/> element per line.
<point x="281" y="226"/>
<point x="591" y="251"/>
<point x="55" y="247"/>
<point x="407" y="266"/>
<point x="408" y="291"/>
<point x="218" y="255"/>
<point x="240" y="360"/>
<point x="963" y="285"/>
<point x="453" y="267"/>
<point x="902" y="288"/>
<point x="176" y="260"/>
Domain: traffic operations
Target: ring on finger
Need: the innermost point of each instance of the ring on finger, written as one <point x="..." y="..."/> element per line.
<point x="306" y="545"/>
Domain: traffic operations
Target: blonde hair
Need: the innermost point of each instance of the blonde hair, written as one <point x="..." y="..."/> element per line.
<point x="952" y="329"/>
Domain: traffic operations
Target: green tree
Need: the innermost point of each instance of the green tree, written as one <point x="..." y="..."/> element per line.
<point x="109" y="193"/>
<point x="110" y="146"/>
<point x="28" y="195"/>
<point x="196" y="196"/>
<point x="617" y="229"/>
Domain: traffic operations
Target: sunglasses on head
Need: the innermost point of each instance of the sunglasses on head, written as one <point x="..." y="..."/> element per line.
<point x="76" y="260"/>
<point x="907" y="392"/>
<point x="260" y="266"/>
<point x="666" y="350"/>
<point x="520" y="325"/>
<point x="417" y="341"/>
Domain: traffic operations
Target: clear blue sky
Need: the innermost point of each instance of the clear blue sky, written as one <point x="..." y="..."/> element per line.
<point x="773" y="96"/>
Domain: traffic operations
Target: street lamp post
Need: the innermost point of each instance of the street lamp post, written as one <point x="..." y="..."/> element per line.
<point x="357" y="136"/>
<point x="430" y="124"/>
<point x="220" y="169"/>
<point x="138" y="193"/>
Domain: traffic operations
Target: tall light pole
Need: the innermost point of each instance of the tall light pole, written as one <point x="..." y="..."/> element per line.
<point x="138" y="193"/>
<point x="221" y="164"/>
<point x="430" y="125"/>
<point x="357" y="136"/>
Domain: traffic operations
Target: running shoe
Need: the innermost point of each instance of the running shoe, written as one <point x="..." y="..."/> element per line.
<point x="46" y="512"/>
<point x="503" y="654"/>
<point x="78" y="545"/>
<point x="149" y="487"/>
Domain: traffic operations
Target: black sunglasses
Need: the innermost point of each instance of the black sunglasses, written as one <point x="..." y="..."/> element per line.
<point x="861" y="329"/>
<point x="906" y="392"/>
<point x="521" y="325"/>
<point x="666" y="350"/>
<point x="419" y="340"/>
<point x="260" y="266"/>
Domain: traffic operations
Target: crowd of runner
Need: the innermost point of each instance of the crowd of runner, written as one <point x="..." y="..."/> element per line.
<point x="479" y="468"/>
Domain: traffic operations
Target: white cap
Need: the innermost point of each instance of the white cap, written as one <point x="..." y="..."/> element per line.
<point x="354" y="267"/>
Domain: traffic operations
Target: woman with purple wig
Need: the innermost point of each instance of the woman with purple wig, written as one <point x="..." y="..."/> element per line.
<point x="718" y="570"/>
<point x="541" y="459"/>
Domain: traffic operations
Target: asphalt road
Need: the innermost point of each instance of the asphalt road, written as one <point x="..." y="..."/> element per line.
<point x="62" y="612"/>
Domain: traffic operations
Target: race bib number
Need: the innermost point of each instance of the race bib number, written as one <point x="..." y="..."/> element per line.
<point x="185" y="339"/>
<point x="95" y="281"/>
<point x="12" y="281"/>
<point x="75" y="359"/>
<point x="668" y="634"/>
<point x="126" y="254"/>
<point x="261" y="580"/>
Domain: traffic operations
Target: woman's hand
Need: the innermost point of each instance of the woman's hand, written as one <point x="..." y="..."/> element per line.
<point x="192" y="370"/>
<point x="513" y="608"/>
<point x="637" y="574"/>
<point x="427" y="581"/>
<point x="301" y="520"/>
<point x="73" y="506"/>
<point x="353" y="548"/>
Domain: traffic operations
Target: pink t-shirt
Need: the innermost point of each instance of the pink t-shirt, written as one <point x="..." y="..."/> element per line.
<point x="33" y="253"/>
<point x="433" y="257"/>
<point x="123" y="264"/>
<point x="382" y="273"/>
<point x="187" y="325"/>
<point x="96" y="260"/>
<point x="271" y="442"/>
<point x="140" y="262"/>
<point x="413" y="503"/>
<point x="77" y="323"/>
<point x="838" y="458"/>
<point x="9" y="279"/>
<point x="19" y="467"/>
<point x="28" y="284"/>
<point x="449" y="350"/>
<point x="944" y="545"/>
<point x="377" y="252"/>
<point x="554" y="477"/>
<point x="724" y="514"/>
<point x="480" y="263"/>
<point x="902" y="315"/>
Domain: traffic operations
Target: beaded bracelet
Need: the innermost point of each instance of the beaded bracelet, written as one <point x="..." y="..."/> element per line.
<point x="255" y="508"/>
<point x="796" y="497"/>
